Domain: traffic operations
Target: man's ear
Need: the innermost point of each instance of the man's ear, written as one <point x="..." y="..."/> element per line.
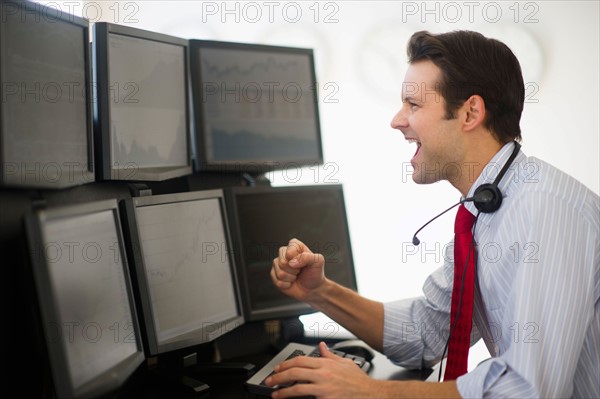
<point x="474" y="112"/>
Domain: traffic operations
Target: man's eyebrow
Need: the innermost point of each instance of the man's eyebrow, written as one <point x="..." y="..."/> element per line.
<point x="409" y="98"/>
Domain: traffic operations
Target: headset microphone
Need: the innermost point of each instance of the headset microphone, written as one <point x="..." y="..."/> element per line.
<point x="487" y="197"/>
<point x="415" y="240"/>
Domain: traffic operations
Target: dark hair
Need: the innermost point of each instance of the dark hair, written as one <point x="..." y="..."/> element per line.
<point x="472" y="64"/>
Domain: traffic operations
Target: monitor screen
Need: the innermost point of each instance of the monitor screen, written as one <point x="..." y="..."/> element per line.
<point x="46" y="110"/>
<point x="184" y="270"/>
<point x="255" y="106"/>
<point x="266" y="219"/>
<point x="142" y="114"/>
<point x="85" y="298"/>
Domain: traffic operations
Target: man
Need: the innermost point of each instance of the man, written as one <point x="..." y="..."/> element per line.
<point x="536" y="296"/>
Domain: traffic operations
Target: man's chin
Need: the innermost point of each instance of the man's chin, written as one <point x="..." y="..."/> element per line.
<point x="424" y="178"/>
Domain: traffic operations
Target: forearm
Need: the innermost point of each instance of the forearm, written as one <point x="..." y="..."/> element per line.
<point x="361" y="316"/>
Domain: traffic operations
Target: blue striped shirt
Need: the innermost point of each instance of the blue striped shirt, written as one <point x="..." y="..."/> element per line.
<point x="537" y="303"/>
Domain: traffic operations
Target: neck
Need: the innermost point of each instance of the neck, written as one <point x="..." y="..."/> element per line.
<point x="477" y="155"/>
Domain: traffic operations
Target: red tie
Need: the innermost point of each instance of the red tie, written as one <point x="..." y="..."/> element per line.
<point x="460" y="338"/>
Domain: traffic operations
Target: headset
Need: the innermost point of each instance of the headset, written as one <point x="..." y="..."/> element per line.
<point x="487" y="198"/>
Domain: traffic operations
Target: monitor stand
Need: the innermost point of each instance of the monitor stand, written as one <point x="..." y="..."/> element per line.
<point x="224" y="367"/>
<point x="196" y="386"/>
<point x="182" y="370"/>
<point x="179" y="380"/>
<point x="193" y="366"/>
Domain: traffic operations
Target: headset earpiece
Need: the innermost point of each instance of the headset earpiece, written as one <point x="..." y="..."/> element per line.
<point x="487" y="198"/>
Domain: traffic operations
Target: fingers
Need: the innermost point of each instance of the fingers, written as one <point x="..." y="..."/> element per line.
<point x="298" y="371"/>
<point x="282" y="274"/>
<point x="307" y="259"/>
<point x="308" y="375"/>
<point x="296" y="391"/>
<point x="294" y="248"/>
<point x="281" y="278"/>
<point x="325" y="352"/>
<point x="284" y="271"/>
<point x="292" y="260"/>
<point x="298" y="255"/>
<point x="299" y="361"/>
<point x="293" y="251"/>
<point x="308" y="362"/>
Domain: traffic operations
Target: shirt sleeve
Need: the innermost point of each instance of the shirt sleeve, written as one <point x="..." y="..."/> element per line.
<point x="551" y="310"/>
<point x="415" y="330"/>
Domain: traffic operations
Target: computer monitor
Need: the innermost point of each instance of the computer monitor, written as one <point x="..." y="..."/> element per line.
<point x="142" y="113"/>
<point x="85" y="298"/>
<point x="184" y="272"/>
<point x="46" y="110"/>
<point x="256" y="107"/>
<point x="266" y="218"/>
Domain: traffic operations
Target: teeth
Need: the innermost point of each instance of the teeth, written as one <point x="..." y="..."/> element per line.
<point x="413" y="141"/>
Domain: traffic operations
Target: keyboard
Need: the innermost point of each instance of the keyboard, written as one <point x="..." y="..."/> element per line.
<point x="256" y="383"/>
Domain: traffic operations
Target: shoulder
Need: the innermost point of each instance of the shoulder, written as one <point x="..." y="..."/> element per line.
<point x="539" y="186"/>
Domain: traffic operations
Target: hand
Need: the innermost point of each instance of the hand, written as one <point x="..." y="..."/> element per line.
<point x="298" y="272"/>
<point x="329" y="376"/>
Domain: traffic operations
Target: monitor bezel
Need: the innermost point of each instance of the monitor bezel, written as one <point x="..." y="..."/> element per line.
<point x="106" y="169"/>
<point x="293" y="309"/>
<point x="114" y="378"/>
<point x="199" y="336"/>
<point x="201" y="159"/>
<point x="69" y="177"/>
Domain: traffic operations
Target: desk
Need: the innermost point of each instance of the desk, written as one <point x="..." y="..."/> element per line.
<point x="383" y="369"/>
<point x="230" y="385"/>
